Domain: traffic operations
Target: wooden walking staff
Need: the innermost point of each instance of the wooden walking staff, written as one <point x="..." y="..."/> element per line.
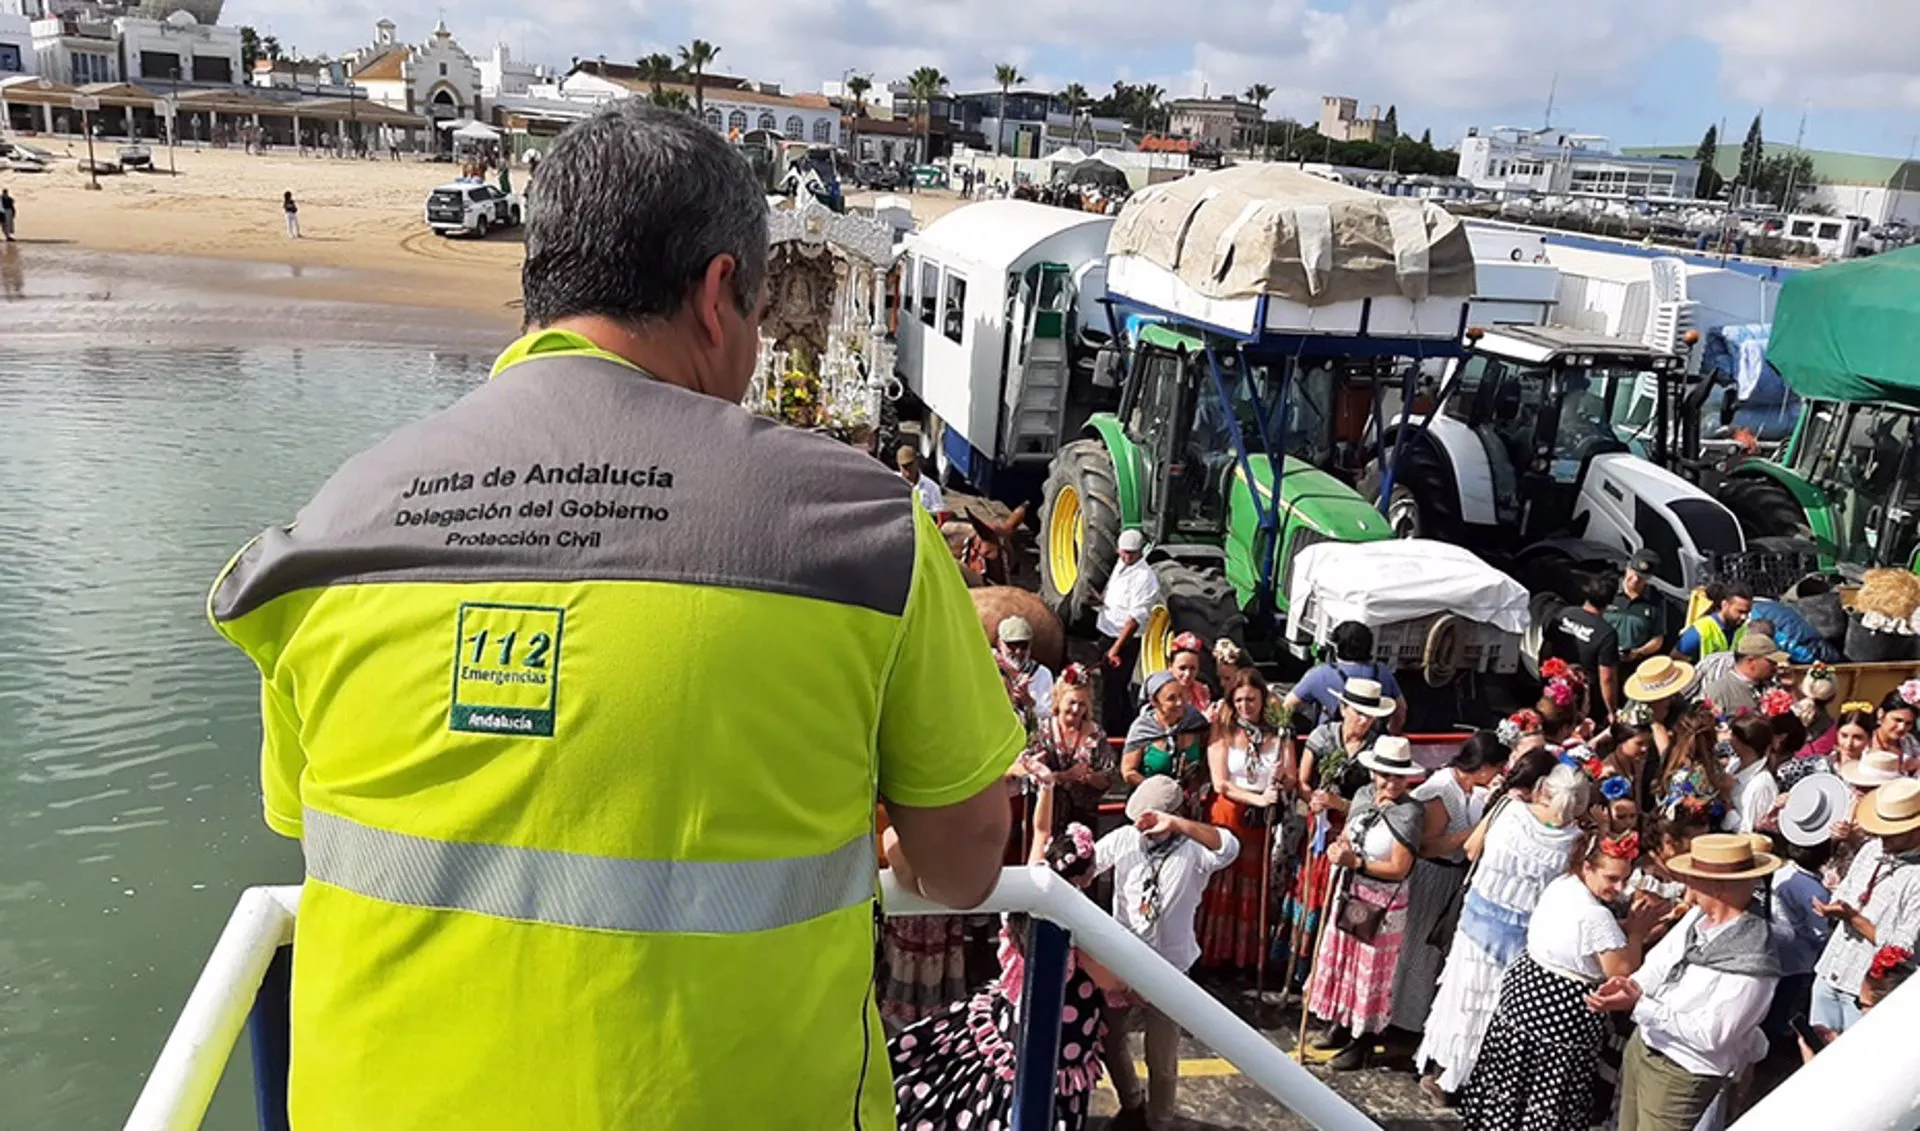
<point x="1266" y="901"/>
<point x="1334" y="879"/>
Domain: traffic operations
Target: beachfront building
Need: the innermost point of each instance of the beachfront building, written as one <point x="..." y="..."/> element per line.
<point x="436" y="79"/>
<point x="891" y="140"/>
<point x="1219" y="123"/>
<point x="1037" y="124"/>
<point x="734" y="106"/>
<point x="16" y="44"/>
<point x="1507" y="160"/>
<point x="1340" y="121"/>
<point x="76" y="48"/>
<point x="178" y="48"/>
<point x="502" y="74"/>
<point x="1877" y="189"/>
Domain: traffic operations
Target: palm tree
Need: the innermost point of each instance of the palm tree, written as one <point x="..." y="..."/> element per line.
<point x="1008" y="76"/>
<point x="1149" y="101"/>
<point x="1075" y="96"/>
<point x="858" y="86"/>
<point x="696" y="57"/>
<point x="1258" y="94"/>
<point x="923" y="86"/>
<point x="656" y="69"/>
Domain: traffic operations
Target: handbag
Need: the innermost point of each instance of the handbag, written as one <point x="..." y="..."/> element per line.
<point x="1441" y="936"/>
<point x="1359" y="918"/>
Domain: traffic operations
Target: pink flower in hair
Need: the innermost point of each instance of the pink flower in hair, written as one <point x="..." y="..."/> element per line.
<point x="1910" y="693"/>
<point x="1560" y="693"/>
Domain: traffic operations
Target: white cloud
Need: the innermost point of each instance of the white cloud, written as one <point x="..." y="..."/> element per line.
<point x="1447" y="63"/>
<point x="1852" y="55"/>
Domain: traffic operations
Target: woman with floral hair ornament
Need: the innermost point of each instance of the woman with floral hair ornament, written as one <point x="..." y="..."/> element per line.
<point x="956" y="1069"/>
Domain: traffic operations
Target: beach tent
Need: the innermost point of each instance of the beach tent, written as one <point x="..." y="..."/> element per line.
<point x="1097" y="173"/>
<point x="1845" y="332"/>
<point x="477" y="131"/>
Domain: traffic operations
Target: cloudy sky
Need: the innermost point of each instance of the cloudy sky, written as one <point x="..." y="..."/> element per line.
<point x="1640" y="71"/>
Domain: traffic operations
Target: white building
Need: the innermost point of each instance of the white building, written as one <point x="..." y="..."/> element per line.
<point x="1222" y="123"/>
<point x="181" y="48"/>
<point x="733" y="106"/>
<point x="16" y="42"/>
<point x="1555" y="162"/>
<point x="76" y="49"/>
<point x="435" y="78"/>
<point x="501" y="73"/>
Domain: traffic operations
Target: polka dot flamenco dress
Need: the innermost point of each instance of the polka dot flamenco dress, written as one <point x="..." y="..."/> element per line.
<point x="954" y="1070"/>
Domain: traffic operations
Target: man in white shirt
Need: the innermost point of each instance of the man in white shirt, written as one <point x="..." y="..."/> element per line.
<point x="1130" y="595"/>
<point x="1029" y="682"/>
<point x="1876" y="905"/>
<point x="924" y="488"/>
<point x="1701" y="994"/>
<point x="1161" y="864"/>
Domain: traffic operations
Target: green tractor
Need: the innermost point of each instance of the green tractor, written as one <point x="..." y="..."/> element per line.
<point x="1848" y="481"/>
<point x="1190" y="459"/>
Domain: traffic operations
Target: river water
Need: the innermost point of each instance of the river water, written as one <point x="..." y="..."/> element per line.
<point x="129" y="796"/>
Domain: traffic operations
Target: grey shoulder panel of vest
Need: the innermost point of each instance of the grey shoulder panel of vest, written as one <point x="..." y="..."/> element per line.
<point x="575" y="469"/>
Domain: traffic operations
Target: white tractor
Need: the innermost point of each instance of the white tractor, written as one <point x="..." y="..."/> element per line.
<point x="1526" y="453"/>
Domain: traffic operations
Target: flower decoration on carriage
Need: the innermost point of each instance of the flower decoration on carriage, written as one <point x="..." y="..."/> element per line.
<point x="1856" y="707"/>
<point x="1615" y="787"/>
<point x="1623" y="847"/>
<point x="1910" y="693"/>
<point x="1887" y="959"/>
<point x="1776" y="701"/>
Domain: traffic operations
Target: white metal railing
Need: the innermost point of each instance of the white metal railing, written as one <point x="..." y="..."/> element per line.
<point x="1862" y="1082"/>
<point x="195" y="1056"/>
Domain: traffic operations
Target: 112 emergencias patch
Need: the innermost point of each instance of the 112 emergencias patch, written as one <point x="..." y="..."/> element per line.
<point x="506" y="670"/>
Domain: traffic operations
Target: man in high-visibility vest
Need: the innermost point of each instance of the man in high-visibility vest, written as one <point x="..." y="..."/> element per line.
<point x="1720" y="629"/>
<point x="580" y="693"/>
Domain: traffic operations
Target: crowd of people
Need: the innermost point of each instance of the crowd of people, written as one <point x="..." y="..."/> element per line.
<point x="1645" y="898"/>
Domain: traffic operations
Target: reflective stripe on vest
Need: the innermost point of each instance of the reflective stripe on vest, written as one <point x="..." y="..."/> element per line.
<point x="568" y="889"/>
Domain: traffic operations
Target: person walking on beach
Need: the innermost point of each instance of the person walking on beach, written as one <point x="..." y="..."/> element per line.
<point x="625" y="897"/>
<point x="293" y="214"/>
<point x="7" y="212"/>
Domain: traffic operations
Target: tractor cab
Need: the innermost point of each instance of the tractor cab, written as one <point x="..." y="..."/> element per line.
<point x="1862" y="456"/>
<point x="1542" y="402"/>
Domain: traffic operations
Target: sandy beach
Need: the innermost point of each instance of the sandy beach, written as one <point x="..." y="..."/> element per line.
<point x="364" y="236"/>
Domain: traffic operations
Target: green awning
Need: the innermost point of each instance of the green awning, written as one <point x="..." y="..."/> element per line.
<point x="1851" y="331"/>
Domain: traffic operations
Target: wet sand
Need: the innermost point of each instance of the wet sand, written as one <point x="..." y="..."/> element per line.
<point x="364" y="235"/>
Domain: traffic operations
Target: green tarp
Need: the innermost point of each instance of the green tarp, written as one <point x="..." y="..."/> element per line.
<point x="1851" y="331"/>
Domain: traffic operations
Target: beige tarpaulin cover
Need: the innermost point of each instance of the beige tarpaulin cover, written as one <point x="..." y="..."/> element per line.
<point x="1273" y="229"/>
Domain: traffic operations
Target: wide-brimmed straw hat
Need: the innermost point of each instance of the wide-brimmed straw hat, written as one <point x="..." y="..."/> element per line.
<point x="1657" y="678"/>
<point x="1723" y="856"/>
<point x="1892" y="809"/>
<point x="1392" y="755"/>
<point x="1813" y="805"/>
<point x="1366" y="697"/>
<point x="1874" y="769"/>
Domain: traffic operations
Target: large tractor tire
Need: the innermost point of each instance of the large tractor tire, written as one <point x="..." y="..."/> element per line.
<point x="1420" y="505"/>
<point x="1764" y="507"/>
<point x="1079" y="530"/>
<point x="1191" y="600"/>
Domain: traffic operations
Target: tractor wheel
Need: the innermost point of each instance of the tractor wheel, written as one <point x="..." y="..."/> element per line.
<point x="1191" y="600"/>
<point x="1079" y="529"/>
<point x="1765" y="508"/>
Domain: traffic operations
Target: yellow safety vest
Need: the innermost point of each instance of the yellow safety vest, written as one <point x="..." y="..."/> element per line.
<point x="1713" y="637"/>
<point x="579" y="694"/>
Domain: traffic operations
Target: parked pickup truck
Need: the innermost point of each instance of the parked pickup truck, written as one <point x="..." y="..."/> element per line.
<point x="471" y="209"/>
